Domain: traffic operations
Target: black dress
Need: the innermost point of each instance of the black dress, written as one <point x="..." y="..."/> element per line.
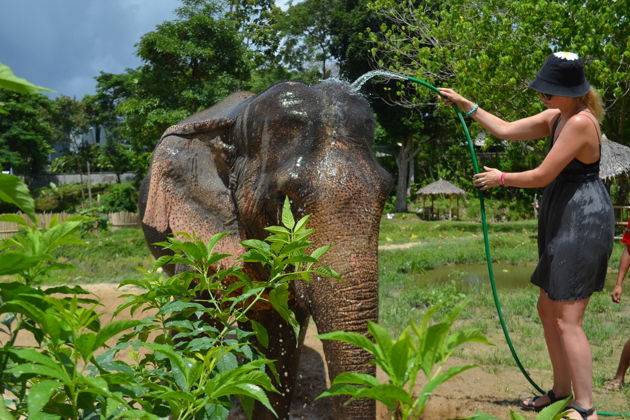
<point x="575" y="233"/>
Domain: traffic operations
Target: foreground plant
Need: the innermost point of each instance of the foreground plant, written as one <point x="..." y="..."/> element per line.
<point x="555" y="411"/>
<point x="173" y="363"/>
<point x="420" y="347"/>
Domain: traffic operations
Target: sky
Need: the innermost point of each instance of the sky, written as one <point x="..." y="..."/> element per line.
<point x="64" y="44"/>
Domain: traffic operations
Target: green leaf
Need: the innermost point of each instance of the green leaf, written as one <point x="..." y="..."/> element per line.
<point x="431" y="349"/>
<point x="111" y="329"/>
<point x="12" y="189"/>
<point x="398" y="360"/>
<point x="249" y="390"/>
<point x="301" y="223"/>
<point x="554" y="411"/>
<point x="34" y="356"/>
<point x="356" y="378"/>
<point x="261" y="333"/>
<point x="212" y="243"/>
<point x="389" y="395"/>
<point x="179" y="306"/>
<point x="357" y="339"/>
<point x="4" y="413"/>
<point x="256" y="244"/>
<point x="10" y="81"/>
<point x="383" y="340"/>
<point x="467" y="336"/>
<point x="482" y="416"/>
<point x="85" y="345"/>
<point x="13" y="218"/>
<point x="15" y="262"/>
<point x="317" y="254"/>
<point x="40" y="370"/>
<point x="278" y="230"/>
<point x="287" y="216"/>
<point x="279" y="299"/>
<point x="40" y="394"/>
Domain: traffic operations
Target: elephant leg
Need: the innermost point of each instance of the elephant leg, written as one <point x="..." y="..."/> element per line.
<point x="343" y="357"/>
<point x="285" y="349"/>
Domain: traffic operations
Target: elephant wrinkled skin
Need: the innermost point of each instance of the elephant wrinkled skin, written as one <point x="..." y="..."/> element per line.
<point x="229" y="168"/>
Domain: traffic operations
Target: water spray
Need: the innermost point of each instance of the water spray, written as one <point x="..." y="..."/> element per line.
<point x="484" y="223"/>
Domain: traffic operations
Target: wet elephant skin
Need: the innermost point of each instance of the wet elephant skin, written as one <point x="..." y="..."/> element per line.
<point x="229" y="168"/>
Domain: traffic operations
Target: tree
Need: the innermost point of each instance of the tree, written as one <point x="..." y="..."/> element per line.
<point x="117" y="157"/>
<point x="490" y="50"/>
<point x="189" y="65"/>
<point x="25" y="133"/>
<point x="306" y="27"/>
<point x="408" y="130"/>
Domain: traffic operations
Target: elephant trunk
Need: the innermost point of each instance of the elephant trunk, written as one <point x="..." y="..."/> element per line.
<point x="349" y="221"/>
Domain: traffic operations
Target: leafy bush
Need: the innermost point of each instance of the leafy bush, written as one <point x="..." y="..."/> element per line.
<point x="67" y="197"/>
<point x="420" y="348"/>
<point x="181" y="366"/>
<point x="120" y="197"/>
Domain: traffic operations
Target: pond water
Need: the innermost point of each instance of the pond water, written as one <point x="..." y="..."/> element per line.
<point x="471" y="276"/>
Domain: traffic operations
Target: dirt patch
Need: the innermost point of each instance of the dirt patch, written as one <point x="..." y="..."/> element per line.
<point x="491" y="390"/>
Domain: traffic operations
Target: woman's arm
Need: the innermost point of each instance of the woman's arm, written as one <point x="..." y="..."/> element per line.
<point x="529" y="128"/>
<point x="574" y="138"/>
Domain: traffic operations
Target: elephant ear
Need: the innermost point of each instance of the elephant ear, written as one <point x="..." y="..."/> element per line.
<point x="188" y="189"/>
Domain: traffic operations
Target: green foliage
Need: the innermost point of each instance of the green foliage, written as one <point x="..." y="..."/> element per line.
<point x="422" y="347"/>
<point x="120" y="197"/>
<point x="67" y="197"/>
<point x="14" y="191"/>
<point x="116" y="157"/>
<point x="555" y="411"/>
<point x="10" y="81"/>
<point x="479" y="50"/>
<point x="25" y="132"/>
<point x="171" y="363"/>
<point x="189" y="64"/>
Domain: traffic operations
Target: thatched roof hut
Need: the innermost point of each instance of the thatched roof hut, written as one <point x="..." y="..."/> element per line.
<point x="440" y="188"/>
<point x="615" y="159"/>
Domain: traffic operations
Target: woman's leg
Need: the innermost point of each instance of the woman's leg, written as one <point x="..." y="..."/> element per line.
<point x="560" y="367"/>
<point x="576" y="349"/>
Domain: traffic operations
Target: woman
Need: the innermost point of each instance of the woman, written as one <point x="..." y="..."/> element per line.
<point x="575" y="227"/>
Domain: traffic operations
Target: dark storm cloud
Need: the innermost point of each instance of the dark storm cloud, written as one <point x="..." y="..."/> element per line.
<point x="64" y="44"/>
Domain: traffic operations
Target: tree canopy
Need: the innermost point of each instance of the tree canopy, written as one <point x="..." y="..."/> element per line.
<point x="487" y="50"/>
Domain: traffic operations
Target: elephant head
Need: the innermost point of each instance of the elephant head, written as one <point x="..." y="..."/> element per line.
<point x="229" y="168"/>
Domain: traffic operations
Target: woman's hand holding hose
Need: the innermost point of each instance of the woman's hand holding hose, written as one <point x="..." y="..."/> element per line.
<point x="451" y="97"/>
<point x="492" y="177"/>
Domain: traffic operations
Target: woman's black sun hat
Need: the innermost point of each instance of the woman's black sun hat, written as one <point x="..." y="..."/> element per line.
<point x="562" y="74"/>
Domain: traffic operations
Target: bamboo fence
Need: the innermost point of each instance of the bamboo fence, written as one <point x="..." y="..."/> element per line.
<point x="116" y="221"/>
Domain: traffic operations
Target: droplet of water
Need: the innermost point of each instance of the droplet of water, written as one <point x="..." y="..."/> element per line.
<point x="357" y="84"/>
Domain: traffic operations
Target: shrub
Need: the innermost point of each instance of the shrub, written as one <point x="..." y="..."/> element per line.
<point x="120" y="197"/>
<point x="181" y="366"/>
<point x="67" y="197"/>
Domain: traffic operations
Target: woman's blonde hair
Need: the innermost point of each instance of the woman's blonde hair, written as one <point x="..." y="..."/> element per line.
<point x="594" y="102"/>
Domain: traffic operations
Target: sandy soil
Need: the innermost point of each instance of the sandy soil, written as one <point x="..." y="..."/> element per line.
<point x="477" y="390"/>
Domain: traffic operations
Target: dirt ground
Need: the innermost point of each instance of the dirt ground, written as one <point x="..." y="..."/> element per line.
<point x="477" y="390"/>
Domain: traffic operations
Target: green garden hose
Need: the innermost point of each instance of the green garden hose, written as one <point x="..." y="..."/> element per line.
<point x="486" y="242"/>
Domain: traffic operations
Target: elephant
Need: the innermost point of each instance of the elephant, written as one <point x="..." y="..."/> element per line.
<point x="229" y="168"/>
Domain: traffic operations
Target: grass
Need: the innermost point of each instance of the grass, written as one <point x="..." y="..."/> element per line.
<point x="110" y="257"/>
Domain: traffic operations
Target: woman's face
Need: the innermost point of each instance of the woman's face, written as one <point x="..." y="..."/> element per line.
<point x="556" y="101"/>
<point x="547" y="99"/>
